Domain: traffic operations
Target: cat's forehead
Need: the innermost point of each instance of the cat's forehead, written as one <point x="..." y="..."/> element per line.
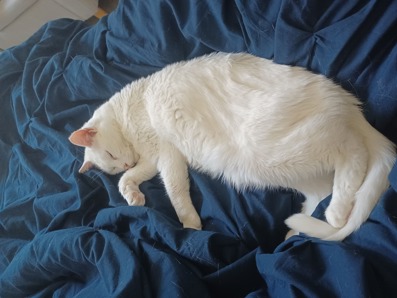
<point x="99" y="158"/>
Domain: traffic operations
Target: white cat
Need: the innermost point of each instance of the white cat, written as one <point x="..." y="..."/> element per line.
<point x="250" y="121"/>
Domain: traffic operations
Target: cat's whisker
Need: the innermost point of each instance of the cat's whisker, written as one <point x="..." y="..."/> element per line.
<point x="96" y="174"/>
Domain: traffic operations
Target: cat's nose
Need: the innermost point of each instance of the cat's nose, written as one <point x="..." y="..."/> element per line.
<point x="129" y="166"/>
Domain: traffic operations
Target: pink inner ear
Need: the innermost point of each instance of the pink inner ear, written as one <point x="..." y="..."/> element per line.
<point x="83" y="137"/>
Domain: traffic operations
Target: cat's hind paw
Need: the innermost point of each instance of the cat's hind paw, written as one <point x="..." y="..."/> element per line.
<point x="337" y="216"/>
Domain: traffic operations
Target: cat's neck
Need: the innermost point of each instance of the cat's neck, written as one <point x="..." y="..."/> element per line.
<point x="129" y="111"/>
<point x="129" y="101"/>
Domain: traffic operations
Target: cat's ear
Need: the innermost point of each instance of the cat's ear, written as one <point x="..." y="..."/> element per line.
<point x="86" y="166"/>
<point x="83" y="137"/>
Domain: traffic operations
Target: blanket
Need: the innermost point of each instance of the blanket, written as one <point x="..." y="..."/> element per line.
<point x="64" y="234"/>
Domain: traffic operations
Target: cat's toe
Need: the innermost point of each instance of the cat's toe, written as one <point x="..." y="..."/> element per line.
<point x="131" y="193"/>
<point x="192" y="226"/>
<point x="192" y="222"/>
<point x="136" y="198"/>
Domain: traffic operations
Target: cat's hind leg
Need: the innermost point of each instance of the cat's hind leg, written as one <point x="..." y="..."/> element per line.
<point x="314" y="189"/>
<point x="350" y="170"/>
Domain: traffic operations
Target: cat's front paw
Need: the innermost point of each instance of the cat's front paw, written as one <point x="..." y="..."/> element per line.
<point x="130" y="191"/>
<point x="192" y="221"/>
<point x="135" y="198"/>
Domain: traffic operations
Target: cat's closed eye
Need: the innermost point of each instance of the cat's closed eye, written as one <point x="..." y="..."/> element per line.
<point x="111" y="155"/>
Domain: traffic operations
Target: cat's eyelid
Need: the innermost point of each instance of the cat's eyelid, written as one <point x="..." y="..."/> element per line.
<point x="111" y="155"/>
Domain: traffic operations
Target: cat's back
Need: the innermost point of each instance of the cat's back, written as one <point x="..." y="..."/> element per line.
<point x="232" y="92"/>
<point x="222" y="87"/>
<point x="240" y="79"/>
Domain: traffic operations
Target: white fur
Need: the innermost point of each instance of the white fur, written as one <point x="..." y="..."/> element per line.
<point x="252" y="122"/>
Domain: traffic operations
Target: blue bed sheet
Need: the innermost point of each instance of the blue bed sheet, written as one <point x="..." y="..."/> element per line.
<point x="63" y="234"/>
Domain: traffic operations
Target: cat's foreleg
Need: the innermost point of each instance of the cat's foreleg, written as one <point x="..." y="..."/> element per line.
<point x="174" y="172"/>
<point x="132" y="178"/>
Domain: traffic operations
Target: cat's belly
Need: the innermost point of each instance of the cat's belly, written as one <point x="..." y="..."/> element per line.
<point x="238" y="169"/>
<point x="243" y="166"/>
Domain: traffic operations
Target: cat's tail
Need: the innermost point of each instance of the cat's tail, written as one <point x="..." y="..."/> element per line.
<point x="381" y="159"/>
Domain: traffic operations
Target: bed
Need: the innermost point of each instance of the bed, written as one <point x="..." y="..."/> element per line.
<point x="65" y="234"/>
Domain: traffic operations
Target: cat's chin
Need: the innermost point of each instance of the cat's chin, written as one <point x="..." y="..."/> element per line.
<point x="117" y="171"/>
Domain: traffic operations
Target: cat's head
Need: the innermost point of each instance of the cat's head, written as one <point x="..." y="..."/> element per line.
<point x="105" y="146"/>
